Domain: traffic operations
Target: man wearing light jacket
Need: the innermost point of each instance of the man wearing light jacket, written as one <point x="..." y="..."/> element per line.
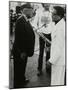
<point x="57" y="59"/>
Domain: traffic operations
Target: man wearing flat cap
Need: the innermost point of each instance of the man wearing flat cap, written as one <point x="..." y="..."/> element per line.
<point x="23" y="45"/>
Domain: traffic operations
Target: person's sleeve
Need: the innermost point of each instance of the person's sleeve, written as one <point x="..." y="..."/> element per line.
<point x="55" y="50"/>
<point x="48" y="28"/>
<point x="20" y="35"/>
<point x="55" y="55"/>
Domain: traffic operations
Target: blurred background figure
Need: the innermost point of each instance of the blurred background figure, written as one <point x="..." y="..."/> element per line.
<point x="11" y="22"/>
<point x="43" y="16"/>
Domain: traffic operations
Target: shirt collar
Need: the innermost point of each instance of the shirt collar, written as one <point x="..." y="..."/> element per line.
<point x="61" y="21"/>
<point x="28" y="20"/>
<point x="25" y="17"/>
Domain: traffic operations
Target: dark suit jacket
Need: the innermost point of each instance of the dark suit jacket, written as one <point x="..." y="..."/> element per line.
<point x="24" y="37"/>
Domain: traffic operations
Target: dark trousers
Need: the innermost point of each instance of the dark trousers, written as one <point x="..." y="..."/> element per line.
<point x="41" y="51"/>
<point x="19" y="70"/>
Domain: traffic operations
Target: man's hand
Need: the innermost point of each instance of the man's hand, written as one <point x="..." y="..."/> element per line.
<point x="23" y="56"/>
<point x="48" y="65"/>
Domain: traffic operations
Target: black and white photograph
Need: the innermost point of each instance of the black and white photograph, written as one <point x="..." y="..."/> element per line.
<point x="37" y="44"/>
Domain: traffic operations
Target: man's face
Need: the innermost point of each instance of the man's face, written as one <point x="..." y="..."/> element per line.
<point x="55" y="17"/>
<point x="28" y="12"/>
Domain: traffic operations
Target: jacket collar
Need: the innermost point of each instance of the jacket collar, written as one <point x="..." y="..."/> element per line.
<point x="25" y="17"/>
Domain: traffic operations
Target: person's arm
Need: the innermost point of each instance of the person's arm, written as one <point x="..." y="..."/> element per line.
<point x="54" y="56"/>
<point x="56" y="48"/>
<point x="20" y="35"/>
<point x="46" y="29"/>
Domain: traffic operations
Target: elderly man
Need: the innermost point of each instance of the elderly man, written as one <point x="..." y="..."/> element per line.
<point x="23" y="45"/>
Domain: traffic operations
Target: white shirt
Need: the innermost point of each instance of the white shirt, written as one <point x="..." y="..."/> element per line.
<point x="47" y="29"/>
<point x="42" y="17"/>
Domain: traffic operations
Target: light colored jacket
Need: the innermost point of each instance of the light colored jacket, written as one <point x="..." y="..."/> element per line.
<point x="58" y="44"/>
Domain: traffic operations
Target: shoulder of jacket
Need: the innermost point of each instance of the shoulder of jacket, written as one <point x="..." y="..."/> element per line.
<point x="20" y="19"/>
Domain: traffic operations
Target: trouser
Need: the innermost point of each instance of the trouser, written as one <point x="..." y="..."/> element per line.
<point x="19" y="70"/>
<point x="41" y="51"/>
<point x="57" y="75"/>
